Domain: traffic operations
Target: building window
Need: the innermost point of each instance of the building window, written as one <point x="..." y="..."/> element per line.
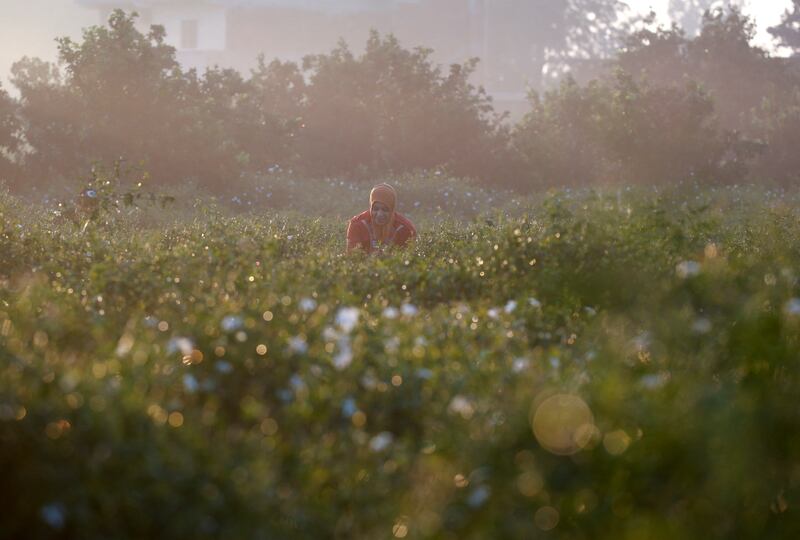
<point x="189" y="34"/>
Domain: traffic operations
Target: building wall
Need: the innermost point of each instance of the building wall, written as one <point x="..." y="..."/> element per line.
<point x="211" y="32"/>
<point x="211" y="24"/>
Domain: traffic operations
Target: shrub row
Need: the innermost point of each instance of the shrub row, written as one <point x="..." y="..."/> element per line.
<point x="667" y="116"/>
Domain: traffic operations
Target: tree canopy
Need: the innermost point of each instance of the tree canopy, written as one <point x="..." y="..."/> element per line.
<point x="788" y="31"/>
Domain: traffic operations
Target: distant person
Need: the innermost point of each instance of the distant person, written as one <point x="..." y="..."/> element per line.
<point x="381" y="227"/>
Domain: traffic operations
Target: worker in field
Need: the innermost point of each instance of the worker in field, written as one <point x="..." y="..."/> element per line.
<point x="381" y="227"/>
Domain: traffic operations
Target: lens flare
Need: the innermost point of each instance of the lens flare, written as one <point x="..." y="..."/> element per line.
<point x="563" y="424"/>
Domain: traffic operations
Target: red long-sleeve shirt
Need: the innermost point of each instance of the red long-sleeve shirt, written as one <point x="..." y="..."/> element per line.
<point x="358" y="232"/>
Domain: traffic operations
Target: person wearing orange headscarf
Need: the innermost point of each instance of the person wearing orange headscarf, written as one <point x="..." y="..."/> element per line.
<point x="381" y="227"/>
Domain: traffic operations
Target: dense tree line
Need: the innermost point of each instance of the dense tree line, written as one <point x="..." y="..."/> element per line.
<point x="711" y="107"/>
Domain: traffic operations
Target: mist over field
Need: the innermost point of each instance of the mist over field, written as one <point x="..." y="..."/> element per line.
<point x="479" y="269"/>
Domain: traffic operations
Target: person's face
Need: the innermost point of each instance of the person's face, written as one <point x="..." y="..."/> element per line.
<point x="380" y="213"/>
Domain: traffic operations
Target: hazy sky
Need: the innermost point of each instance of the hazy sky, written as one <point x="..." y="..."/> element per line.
<point x="28" y="27"/>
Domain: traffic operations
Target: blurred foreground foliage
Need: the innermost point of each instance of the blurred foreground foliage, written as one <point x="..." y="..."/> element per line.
<point x="619" y="364"/>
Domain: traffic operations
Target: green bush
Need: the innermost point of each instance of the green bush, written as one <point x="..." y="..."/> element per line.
<point x="240" y="377"/>
<point x="624" y="131"/>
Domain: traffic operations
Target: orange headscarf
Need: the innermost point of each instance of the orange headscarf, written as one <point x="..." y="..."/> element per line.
<point x="383" y="193"/>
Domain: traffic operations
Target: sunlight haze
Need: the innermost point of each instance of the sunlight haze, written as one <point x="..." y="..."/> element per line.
<point x="29" y="27"/>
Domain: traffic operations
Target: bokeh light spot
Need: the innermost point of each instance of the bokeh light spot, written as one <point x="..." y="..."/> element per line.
<point x="560" y="424"/>
<point x="530" y="483"/>
<point x="269" y="427"/>
<point x="195" y="357"/>
<point x="546" y="518"/>
<point x="176" y="419"/>
<point x="616" y="442"/>
<point x="460" y="481"/>
<point x="359" y="419"/>
<point x="400" y="530"/>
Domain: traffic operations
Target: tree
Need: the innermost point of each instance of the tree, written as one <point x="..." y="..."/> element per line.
<point x="9" y="134"/>
<point x="123" y="95"/>
<point x="788" y="31"/>
<point x="624" y="130"/>
<point x="688" y="14"/>
<point x="392" y="109"/>
<point x="526" y="37"/>
<point x="125" y="84"/>
<point x="276" y="104"/>
<point x="117" y="87"/>
<point x="778" y="129"/>
<point x="737" y="74"/>
<point x="51" y="122"/>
